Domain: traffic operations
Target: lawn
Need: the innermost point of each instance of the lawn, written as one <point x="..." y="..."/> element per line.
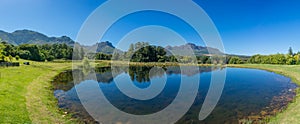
<point x="292" y="114"/>
<point x="26" y="96"/>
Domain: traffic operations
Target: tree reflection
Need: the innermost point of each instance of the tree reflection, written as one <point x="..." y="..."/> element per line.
<point x="141" y="73"/>
<point x="64" y="81"/>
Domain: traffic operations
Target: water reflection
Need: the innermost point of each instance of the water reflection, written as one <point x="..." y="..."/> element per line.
<point x="248" y="93"/>
<point x="63" y="81"/>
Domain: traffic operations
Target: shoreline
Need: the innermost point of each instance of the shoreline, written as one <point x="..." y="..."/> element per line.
<point x="43" y="93"/>
<point x="268" y="118"/>
<point x="291" y="112"/>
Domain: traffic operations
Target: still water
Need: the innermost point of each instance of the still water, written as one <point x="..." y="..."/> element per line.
<point x="248" y="94"/>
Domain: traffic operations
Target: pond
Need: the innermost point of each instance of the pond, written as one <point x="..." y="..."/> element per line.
<point x="248" y="94"/>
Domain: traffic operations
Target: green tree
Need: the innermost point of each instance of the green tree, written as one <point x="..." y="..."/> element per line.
<point x="256" y="59"/>
<point x="172" y="59"/>
<point x="102" y="56"/>
<point x="2" y="58"/>
<point x="17" y="57"/>
<point x="130" y="52"/>
<point x="235" y="60"/>
<point x="291" y="61"/>
<point x="34" y="51"/>
<point x="10" y="58"/>
<point x="82" y="53"/>
<point x="291" y="53"/>
<point x="297" y="58"/>
<point x="147" y="53"/>
<point x="203" y="59"/>
<point x="1" y="51"/>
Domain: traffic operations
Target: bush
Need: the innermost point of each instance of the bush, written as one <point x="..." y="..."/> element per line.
<point x="235" y="60"/>
<point x="17" y="57"/>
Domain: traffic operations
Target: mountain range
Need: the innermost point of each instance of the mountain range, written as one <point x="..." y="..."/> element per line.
<point x="197" y="50"/>
<point x="103" y="47"/>
<point x="31" y="37"/>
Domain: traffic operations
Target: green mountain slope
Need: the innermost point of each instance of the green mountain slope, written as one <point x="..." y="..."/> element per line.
<point x="31" y="37"/>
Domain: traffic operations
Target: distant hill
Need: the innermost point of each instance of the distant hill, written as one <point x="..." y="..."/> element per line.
<point x="105" y="47"/>
<point x="198" y="50"/>
<point x="31" y="37"/>
<point x="102" y="47"/>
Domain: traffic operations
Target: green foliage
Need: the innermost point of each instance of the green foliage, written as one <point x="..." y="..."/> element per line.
<point x="291" y="53"/>
<point x="149" y="54"/>
<point x="143" y="52"/>
<point x="297" y="58"/>
<point x="171" y="59"/>
<point x="1" y="51"/>
<point x="36" y="52"/>
<point x="32" y="52"/>
<point x="1" y="58"/>
<point x="204" y="60"/>
<point x="291" y="61"/>
<point x="8" y="49"/>
<point x="235" y="60"/>
<point x="279" y="59"/>
<point x="103" y="56"/>
<point x="17" y="57"/>
<point x="56" y="51"/>
<point x="10" y="58"/>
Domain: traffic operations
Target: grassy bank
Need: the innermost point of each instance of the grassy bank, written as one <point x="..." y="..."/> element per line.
<point x="292" y="114"/>
<point x="26" y="96"/>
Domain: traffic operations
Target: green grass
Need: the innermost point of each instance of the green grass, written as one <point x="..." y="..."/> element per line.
<point x="292" y="114"/>
<point x="26" y="96"/>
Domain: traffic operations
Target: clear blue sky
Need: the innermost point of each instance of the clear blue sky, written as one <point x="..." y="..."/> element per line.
<point x="246" y="26"/>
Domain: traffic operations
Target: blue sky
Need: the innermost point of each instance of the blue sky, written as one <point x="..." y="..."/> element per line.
<point x="246" y="26"/>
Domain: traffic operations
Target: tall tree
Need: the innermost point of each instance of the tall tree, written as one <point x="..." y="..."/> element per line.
<point x="130" y="52"/>
<point x="291" y="51"/>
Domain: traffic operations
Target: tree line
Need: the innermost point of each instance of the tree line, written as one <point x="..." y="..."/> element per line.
<point x="46" y="52"/>
<point x="283" y="59"/>
<point x="290" y="58"/>
<point x="143" y="52"/>
<point x="138" y="52"/>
